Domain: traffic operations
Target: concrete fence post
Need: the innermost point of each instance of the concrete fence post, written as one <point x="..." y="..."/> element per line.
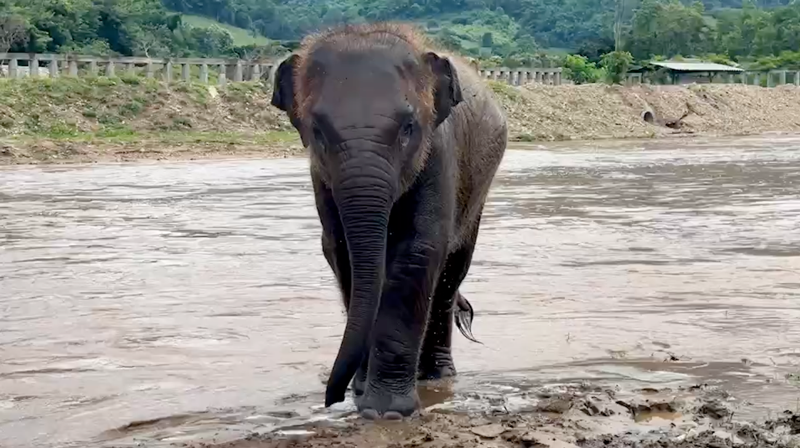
<point x="73" y="67"/>
<point x="222" y="79"/>
<point x="255" y="72"/>
<point x="185" y="74"/>
<point x="204" y="73"/>
<point x="13" y="68"/>
<point x="168" y="71"/>
<point x="33" y="66"/>
<point x="53" y="66"/>
<point x="149" y="70"/>
<point x="93" y="67"/>
<point x="237" y="74"/>
<point x="110" y="69"/>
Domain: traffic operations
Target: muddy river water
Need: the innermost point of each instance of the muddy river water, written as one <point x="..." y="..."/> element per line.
<point x="165" y="302"/>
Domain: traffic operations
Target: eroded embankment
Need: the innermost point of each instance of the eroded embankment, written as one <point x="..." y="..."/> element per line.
<point x="596" y="111"/>
<point x="96" y="119"/>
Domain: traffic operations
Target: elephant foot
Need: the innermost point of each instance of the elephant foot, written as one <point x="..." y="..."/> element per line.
<point x="436" y="366"/>
<point x="387" y="406"/>
<point x="358" y="386"/>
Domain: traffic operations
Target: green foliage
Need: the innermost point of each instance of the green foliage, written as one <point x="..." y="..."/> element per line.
<point x="789" y="60"/>
<point x="670" y="28"/>
<point x="581" y="71"/>
<point x="240" y="36"/>
<point x="486" y="40"/>
<point x="116" y="27"/>
<point x="498" y="32"/>
<point x="616" y="65"/>
<point x="719" y="59"/>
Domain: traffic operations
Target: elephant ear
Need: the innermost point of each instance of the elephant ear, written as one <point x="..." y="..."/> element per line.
<point x="446" y="89"/>
<point x="283" y="92"/>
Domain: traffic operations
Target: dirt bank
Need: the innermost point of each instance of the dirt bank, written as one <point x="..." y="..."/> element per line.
<point x="576" y="416"/>
<point x="586" y="112"/>
<point x="101" y="119"/>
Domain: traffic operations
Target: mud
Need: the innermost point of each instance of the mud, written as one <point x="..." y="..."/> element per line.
<point x="43" y="151"/>
<point x="578" y="415"/>
<point x="157" y="304"/>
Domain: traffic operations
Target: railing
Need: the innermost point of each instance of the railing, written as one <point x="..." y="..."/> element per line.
<point x="520" y="76"/>
<point x="772" y="78"/>
<point x="56" y="65"/>
<point x="219" y="70"/>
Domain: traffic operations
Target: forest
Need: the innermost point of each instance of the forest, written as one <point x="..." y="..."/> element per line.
<point x="764" y="33"/>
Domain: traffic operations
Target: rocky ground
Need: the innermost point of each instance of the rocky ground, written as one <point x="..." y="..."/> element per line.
<point x="565" y="416"/>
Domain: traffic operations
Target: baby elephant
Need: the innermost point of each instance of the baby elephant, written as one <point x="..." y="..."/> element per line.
<point x="404" y="144"/>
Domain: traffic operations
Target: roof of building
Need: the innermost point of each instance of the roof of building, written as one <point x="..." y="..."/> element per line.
<point x="696" y="66"/>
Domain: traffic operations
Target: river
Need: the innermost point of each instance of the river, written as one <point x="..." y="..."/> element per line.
<point x="168" y="301"/>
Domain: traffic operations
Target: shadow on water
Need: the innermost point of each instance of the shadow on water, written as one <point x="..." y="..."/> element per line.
<point x="183" y="301"/>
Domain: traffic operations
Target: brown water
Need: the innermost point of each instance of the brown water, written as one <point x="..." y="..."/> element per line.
<point x="173" y="301"/>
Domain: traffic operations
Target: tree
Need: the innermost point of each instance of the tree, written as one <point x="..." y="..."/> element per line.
<point x="13" y="31"/>
<point x="616" y="64"/>
<point x="149" y="41"/>
<point x="580" y="70"/>
<point x="486" y="40"/>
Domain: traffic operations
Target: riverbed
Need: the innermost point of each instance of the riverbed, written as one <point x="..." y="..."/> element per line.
<point x="164" y="302"/>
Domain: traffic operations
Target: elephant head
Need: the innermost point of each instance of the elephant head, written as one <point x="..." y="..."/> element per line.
<point x="366" y="101"/>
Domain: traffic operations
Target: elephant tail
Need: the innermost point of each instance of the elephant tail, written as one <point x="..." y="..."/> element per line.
<point x="463" y="317"/>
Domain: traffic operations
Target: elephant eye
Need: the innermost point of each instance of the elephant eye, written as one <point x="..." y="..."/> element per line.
<point x="319" y="137"/>
<point x="408" y="128"/>
<point x="406" y="132"/>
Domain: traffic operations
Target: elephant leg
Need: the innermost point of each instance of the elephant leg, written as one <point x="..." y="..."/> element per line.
<point x="436" y="359"/>
<point x="416" y="254"/>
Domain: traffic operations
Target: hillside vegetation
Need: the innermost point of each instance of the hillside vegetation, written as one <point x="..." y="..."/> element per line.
<point x="240" y="36"/>
<point x="762" y="33"/>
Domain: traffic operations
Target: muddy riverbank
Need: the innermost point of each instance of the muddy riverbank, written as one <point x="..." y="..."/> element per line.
<point x="564" y="416"/>
<point x="44" y="121"/>
<point x="160" y="304"/>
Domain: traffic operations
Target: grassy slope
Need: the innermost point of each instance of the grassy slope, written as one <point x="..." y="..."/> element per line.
<point x="89" y="119"/>
<point x="240" y="35"/>
<point x="136" y="112"/>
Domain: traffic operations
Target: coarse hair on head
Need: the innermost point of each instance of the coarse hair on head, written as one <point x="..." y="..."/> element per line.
<point x="352" y="38"/>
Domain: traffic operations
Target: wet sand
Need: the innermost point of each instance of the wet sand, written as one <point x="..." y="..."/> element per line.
<point x="163" y="304"/>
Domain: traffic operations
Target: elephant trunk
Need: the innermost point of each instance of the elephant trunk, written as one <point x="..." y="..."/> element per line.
<point x="363" y="189"/>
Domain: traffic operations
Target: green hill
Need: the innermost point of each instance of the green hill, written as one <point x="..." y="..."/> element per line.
<point x="507" y="32"/>
<point x="241" y="36"/>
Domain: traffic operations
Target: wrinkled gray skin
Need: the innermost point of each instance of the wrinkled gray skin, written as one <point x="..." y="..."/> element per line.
<point x="399" y="243"/>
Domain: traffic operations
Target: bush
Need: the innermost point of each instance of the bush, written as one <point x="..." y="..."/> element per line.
<point x="616" y="65"/>
<point x="578" y="69"/>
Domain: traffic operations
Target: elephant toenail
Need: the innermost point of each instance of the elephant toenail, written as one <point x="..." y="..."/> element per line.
<point x="370" y="414"/>
<point x="393" y="415"/>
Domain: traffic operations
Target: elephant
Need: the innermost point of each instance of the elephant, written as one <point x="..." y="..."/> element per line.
<point x="404" y="142"/>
